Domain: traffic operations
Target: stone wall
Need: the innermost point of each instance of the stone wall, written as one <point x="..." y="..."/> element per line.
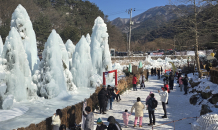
<point x="73" y="114"/>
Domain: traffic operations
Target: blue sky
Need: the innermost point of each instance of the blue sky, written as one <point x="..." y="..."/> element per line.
<point x="117" y="8"/>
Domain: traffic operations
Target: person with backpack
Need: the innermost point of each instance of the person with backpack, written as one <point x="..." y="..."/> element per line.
<point x="134" y="82"/>
<point x="185" y="83"/>
<point x="152" y="104"/>
<point x="138" y="106"/>
<point x="164" y="99"/>
<point x="142" y="81"/>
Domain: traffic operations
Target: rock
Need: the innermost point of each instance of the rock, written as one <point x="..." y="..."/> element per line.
<point x="205" y="109"/>
<point x="8" y="102"/>
<point x="214" y="99"/>
<point x="194" y="99"/>
<point x="193" y="84"/>
<point x="206" y="95"/>
<point x="208" y="87"/>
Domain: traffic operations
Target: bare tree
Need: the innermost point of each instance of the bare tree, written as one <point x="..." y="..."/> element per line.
<point x="198" y="5"/>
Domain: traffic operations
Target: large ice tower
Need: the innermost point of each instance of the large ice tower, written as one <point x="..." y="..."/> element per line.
<point x="101" y="59"/>
<point x="18" y="79"/>
<point x="70" y="49"/>
<point x="21" y="21"/>
<point x="50" y="78"/>
<point x="82" y="64"/>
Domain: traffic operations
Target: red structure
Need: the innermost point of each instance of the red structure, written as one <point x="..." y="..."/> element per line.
<point x="105" y="73"/>
<point x="167" y="70"/>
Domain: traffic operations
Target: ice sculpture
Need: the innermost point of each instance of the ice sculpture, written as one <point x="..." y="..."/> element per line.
<point x="18" y="79"/>
<point x="82" y="64"/>
<point x="70" y="49"/>
<point x="205" y="121"/>
<point x="101" y="59"/>
<point x="1" y="45"/>
<point x="88" y="38"/>
<point x="21" y="21"/>
<point x="50" y="78"/>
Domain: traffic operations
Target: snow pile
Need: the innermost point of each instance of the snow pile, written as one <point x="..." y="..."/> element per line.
<point x="21" y="21"/>
<point x="70" y="49"/>
<point x="8" y="102"/>
<point x="101" y="59"/>
<point x="207" y="86"/>
<point x="88" y="38"/>
<point x="205" y="121"/>
<point x="82" y="64"/>
<point x="50" y="78"/>
<point x="1" y="45"/>
<point x="18" y="78"/>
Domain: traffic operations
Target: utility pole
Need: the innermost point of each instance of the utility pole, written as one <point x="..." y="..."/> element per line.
<point x="174" y="44"/>
<point x="127" y="42"/>
<point x="130" y="23"/>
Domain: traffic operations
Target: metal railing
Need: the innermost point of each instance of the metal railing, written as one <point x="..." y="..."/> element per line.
<point x="174" y="122"/>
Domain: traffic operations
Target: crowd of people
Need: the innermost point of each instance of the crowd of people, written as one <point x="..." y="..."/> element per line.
<point x="108" y="94"/>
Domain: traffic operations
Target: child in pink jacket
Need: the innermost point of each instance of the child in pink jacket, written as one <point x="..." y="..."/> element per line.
<point x="126" y="117"/>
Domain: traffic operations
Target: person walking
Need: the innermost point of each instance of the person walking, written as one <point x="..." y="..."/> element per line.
<point x="147" y="74"/>
<point x="161" y="69"/>
<point x="151" y="109"/>
<point x="171" y="80"/>
<point x="181" y="83"/>
<point x="126" y="118"/>
<point x="113" y="95"/>
<point x="164" y="99"/>
<point x="142" y="81"/>
<point x="138" y="106"/>
<point x="152" y="71"/>
<point x="155" y="71"/>
<point x="158" y="73"/>
<point x="56" y="119"/>
<point x="185" y="83"/>
<point x="89" y="123"/>
<point x="113" y="124"/>
<point x="102" y="98"/>
<point x="134" y="82"/>
<point x="108" y="97"/>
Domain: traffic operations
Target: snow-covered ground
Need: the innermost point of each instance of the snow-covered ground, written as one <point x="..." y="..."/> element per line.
<point x="178" y="108"/>
<point x="24" y="113"/>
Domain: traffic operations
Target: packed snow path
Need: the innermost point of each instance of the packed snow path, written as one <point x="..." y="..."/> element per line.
<point x="178" y="108"/>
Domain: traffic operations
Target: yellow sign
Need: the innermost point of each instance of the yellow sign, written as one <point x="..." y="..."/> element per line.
<point x="212" y="54"/>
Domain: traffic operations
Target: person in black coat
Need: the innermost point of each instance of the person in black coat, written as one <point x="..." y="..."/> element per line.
<point x="155" y="71"/>
<point x="161" y="70"/>
<point x="152" y="70"/>
<point x="108" y="97"/>
<point x="113" y="95"/>
<point x="113" y="124"/>
<point x="185" y="83"/>
<point x="158" y="73"/>
<point x="171" y="81"/>
<point x="147" y="74"/>
<point x="102" y="98"/>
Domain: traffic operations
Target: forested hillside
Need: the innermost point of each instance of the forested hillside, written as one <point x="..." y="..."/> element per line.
<point x="70" y="18"/>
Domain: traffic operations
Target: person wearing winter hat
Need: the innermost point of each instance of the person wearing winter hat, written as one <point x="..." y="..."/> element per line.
<point x="100" y="125"/>
<point x="138" y="106"/>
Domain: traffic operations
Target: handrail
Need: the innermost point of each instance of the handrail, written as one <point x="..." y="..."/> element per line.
<point x="174" y="122"/>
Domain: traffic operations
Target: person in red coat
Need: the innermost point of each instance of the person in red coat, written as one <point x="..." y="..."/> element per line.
<point x="134" y="81"/>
